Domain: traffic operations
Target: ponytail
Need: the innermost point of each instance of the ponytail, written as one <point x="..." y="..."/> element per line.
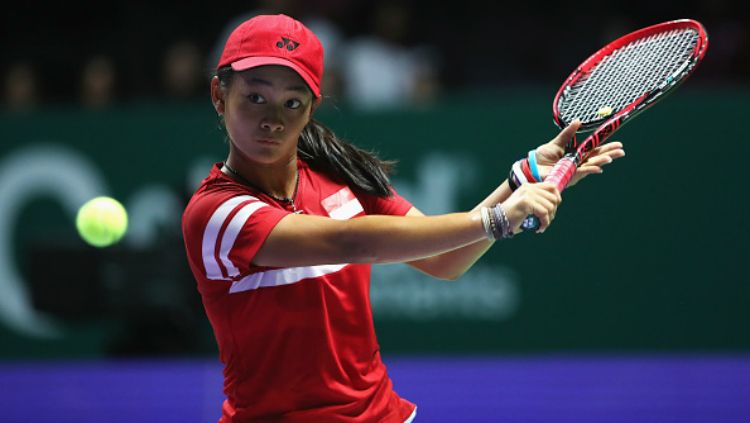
<point x="360" y="169"/>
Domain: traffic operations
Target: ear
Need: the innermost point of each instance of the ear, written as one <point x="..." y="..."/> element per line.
<point x="217" y="95"/>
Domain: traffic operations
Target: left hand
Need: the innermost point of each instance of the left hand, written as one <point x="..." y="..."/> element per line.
<point x="548" y="154"/>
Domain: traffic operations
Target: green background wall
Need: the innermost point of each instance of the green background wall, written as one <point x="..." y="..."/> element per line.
<point x="649" y="256"/>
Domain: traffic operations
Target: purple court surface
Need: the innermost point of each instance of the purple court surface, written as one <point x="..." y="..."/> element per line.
<point x="546" y="388"/>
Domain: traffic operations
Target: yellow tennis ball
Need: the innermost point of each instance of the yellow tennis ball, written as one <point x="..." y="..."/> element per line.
<point x="604" y="111"/>
<point x="102" y="221"/>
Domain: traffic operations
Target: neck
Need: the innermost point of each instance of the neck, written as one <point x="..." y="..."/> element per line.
<point x="279" y="181"/>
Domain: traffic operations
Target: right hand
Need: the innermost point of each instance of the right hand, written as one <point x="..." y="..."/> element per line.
<point x="539" y="199"/>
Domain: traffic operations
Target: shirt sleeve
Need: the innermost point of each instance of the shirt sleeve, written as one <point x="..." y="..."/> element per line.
<point x="234" y="233"/>
<point x="394" y="205"/>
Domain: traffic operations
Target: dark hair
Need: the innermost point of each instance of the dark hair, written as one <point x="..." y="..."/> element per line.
<point x="361" y="170"/>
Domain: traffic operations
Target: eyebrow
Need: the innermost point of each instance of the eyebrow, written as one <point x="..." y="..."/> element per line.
<point x="260" y="81"/>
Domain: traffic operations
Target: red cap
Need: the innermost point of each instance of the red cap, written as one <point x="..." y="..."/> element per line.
<point x="275" y="40"/>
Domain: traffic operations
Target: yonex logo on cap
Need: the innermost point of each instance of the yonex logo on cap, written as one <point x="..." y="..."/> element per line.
<point x="286" y="42"/>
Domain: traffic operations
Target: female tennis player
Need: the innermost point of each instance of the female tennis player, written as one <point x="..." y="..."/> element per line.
<point x="281" y="234"/>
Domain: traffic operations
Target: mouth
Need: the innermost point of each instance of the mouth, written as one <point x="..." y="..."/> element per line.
<point x="268" y="141"/>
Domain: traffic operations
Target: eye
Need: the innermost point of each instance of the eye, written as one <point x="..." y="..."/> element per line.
<point x="256" y="98"/>
<point x="293" y="103"/>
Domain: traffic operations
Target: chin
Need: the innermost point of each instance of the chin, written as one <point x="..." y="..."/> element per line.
<point x="265" y="156"/>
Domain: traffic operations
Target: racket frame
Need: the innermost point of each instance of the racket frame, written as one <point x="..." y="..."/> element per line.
<point x="576" y="152"/>
<point x="679" y="76"/>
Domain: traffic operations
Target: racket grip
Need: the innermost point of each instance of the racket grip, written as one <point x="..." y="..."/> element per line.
<point x="560" y="175"/>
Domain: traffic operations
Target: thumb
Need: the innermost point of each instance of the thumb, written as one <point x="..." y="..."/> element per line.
<point x="567" y="133"/>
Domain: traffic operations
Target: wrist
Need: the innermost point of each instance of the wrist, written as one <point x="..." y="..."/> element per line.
<point x="495" y="222"/>
<point x="520" y="173"/>
<point x="526" y="170"/>
<point x="533" y="167"/>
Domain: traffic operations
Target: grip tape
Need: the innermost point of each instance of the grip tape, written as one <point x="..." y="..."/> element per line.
<point x="560" y="175"/>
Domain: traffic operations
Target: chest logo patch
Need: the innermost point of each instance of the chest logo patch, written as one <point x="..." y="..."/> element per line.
<point x="342" y="205"/>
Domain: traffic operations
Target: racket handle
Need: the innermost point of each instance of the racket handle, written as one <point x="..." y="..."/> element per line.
<point x="564" y="169"/>
<point x="560" y="175"/>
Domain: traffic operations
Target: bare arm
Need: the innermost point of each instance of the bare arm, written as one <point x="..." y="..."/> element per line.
<point x="300" y="240"/>
<point x="451" y="265"/>
<point x="303" y="240"/>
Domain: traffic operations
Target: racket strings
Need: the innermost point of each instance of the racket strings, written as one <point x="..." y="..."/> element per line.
<point x="626" y="74"/>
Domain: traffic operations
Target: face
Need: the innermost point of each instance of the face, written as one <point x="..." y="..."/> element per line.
<point x="265" y="110"/>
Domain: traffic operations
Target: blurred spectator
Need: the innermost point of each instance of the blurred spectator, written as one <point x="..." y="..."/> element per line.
<point x="21" y="88"/>
<point x="97" y="90"/>
<point x="379" y="70"/>
<point x="183" y="72"/>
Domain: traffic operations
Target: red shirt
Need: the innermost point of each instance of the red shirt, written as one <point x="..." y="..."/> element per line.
<point x="298" y="343"/>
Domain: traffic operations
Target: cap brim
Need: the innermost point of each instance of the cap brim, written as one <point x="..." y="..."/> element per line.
<point x="254" y="62"/>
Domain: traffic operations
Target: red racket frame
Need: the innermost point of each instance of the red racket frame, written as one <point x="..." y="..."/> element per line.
<point x="565" y="168"/>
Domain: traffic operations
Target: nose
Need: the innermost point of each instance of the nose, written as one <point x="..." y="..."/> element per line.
<point x="272" y="124"/>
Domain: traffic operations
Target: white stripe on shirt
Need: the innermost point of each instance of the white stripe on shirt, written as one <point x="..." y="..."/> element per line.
<point x="213" y="271"/>
<point x="286" y="276"/>
<point x="230" y="235"/>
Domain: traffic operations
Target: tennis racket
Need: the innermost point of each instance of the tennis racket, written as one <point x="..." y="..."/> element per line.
<point x="619" y="81"/>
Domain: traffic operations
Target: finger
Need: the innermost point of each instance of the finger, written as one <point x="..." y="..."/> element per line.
<point x="537" y="206"/>
<point x="553" y="197"/>
<point x="549" y="187"/>
<point x="608" y="149"/>
<point x="597" y="161"/>
<point x="584" y="171"/>
<point x="595" y="164"/>
<point x="613" y="153"/>
<point x="616" y="154"/>
<point x="544" y="202"/>
<point x="549" y="207"/>
<point x="604" y="156"/>
<point x="543" y="217"/>
<point x="613" y="145"/>
<point x="546" y="221"/>
<point x="567" y="133"/>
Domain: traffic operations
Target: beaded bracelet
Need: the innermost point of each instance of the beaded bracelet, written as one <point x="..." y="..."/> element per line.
<point x="503" y="225"/>
<point x="487" y="223"/>
<point x="495" y="223"/>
